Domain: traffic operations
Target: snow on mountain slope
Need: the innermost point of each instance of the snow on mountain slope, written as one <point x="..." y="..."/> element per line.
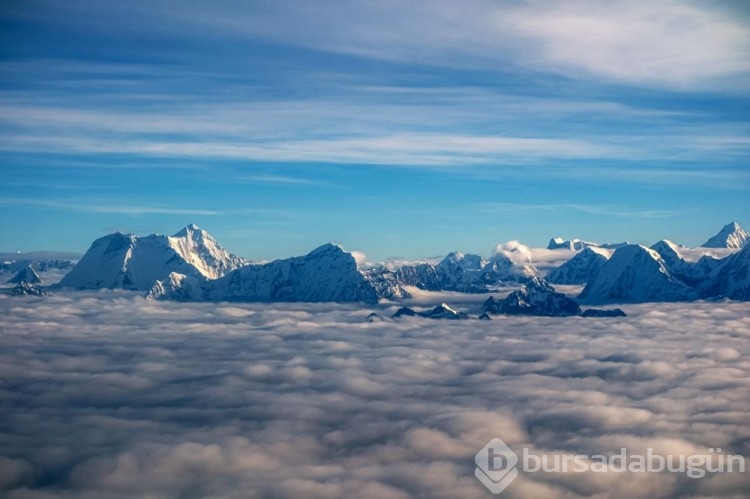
<point x="467" y="273"/>
<point x="730" y="236"/>
<point x="459" y="272"/>
<point x="200" y="249"/>
<point x="327" y="274"/>
<point x="179" y="287"/>
<point x="386" y="283"/>
<point x="582" y="268"/>
<point x="731" y="279"/>
<point x="26" y="274"/>
<point x="131" y="262"/>
<point x="691" y="271"/>
<point x="637" y="274"/>
<point x="421" y="275"/>
<point x="573" y="244"/>
<point x="669" y="252"/>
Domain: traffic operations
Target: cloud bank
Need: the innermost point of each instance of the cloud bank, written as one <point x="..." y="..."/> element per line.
<point x="108" y="395"/>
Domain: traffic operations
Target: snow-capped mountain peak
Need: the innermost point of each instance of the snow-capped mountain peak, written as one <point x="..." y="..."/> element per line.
<point x="202" y="251"/>
<point x="730" y="236"/>
<point x="135" y="262"/>
<point x="188" y="229"/>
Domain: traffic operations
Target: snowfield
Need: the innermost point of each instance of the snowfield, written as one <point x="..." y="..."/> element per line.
<point x="107" y="395"/>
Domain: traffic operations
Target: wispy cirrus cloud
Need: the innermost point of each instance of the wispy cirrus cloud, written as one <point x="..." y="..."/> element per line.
<point x="670" y="44"/>
<point x="113" y="206"/>
<point x="590" y="209"/>
<point x="422" y="127"/>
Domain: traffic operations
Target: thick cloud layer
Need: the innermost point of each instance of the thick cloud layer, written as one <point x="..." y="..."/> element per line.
<point x="108" y="395"/>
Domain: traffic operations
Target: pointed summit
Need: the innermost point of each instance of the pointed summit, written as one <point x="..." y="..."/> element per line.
<point x="26" y="274"/>
<point x="185" y="231"/>
<point x="730" y="236"/>
<point x="201" y="250"/>
<point x="669" y="252"/>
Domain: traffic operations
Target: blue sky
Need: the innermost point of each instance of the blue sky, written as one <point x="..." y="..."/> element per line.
<point x="398" y="128"/>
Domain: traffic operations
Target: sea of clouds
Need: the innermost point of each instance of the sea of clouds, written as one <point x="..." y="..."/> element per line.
<point x="108" y="395"/>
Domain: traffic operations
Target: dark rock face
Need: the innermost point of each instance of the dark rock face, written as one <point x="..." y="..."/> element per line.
<point x="23" y="288"/>
<point x="598" y="312"/>
<point x="404" y="312"/>
<point x="373" y="317"/>
<point x="440" y="312"/>
<point x="444" y="312"/>
<point x="534" y="298"/>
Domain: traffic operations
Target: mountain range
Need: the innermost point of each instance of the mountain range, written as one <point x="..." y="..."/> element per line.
<point x="192" y="266"/>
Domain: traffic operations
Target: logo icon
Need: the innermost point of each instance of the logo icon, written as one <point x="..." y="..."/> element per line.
<point x="496" y="466"/>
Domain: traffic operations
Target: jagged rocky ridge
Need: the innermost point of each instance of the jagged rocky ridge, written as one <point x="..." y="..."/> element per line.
<point x="465" y="273"/>
<point x="23" y="288"/>
<point x="536" y="297"/>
